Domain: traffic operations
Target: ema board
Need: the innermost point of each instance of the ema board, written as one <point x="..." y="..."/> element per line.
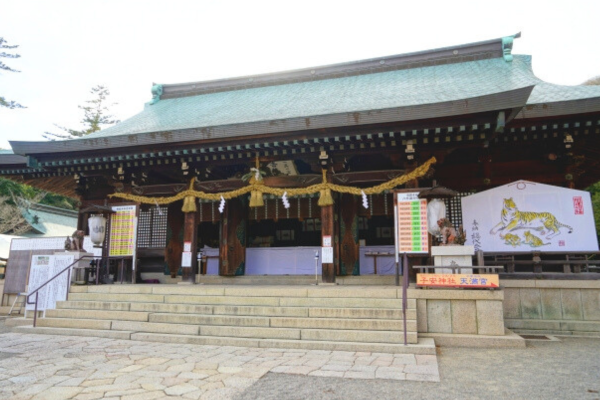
<point x="526" y="216"/>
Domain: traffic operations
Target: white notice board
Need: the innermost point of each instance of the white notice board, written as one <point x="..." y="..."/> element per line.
<point x="43" y="268"/>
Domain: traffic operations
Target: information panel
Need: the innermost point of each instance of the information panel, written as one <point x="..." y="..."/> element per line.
<point x="44" y="268"/>
<point x="122" y="231"/>
<point x="412" y="223"/>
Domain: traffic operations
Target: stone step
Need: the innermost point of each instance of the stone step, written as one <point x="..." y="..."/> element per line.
<point x="284" y="322"/>
<point x="99" y="324"/>
<point x="195" y="319"/>
<point x="554" y="326"/>
<point x="95" y="305"/>
<point x="233" y="331"/>
<point x="97" y="314"/>
<point x="387" y="292"/>
<point x="423" y="346"/>
<point x="343" y="324"/>
<point x="74" y="332"/>
<point x="356" y="313"/>
<point x="362" y="280"/>
<point x="337" y="302"/>
<point x="347" y="303"/>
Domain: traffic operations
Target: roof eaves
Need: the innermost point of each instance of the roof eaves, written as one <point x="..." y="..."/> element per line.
<point x="558" y="108"/>
<point x="496" y="101"/>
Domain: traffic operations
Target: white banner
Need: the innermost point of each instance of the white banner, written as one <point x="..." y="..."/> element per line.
<point x="526" y="216"/>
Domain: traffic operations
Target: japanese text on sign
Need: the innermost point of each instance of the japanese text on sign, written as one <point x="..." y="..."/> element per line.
<point x="412" y="223"/>
<point x="458" y="280"/>
<point x="122" y="231"/>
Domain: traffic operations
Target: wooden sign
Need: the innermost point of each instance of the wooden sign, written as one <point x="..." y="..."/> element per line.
<point x="412" y="223"/>
<point x="478" y="281"/>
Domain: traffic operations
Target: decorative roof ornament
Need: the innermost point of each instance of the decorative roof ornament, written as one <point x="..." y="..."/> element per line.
<point x="507" y="44"/>
<point x="157" y="91"/>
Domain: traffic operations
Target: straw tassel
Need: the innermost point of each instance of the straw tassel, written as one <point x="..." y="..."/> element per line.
<point x="189" y="202"/>
<point x="325" y="198"/>
<point x="256" y="196"/>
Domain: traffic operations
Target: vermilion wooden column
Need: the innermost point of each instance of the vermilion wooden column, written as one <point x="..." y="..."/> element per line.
<point x="327" y="229"/>
<point x="190" y="235"/>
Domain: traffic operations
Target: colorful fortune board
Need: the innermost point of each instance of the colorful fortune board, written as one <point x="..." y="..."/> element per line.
<point x="122" y="231"/>
<point x="412" y="223"/>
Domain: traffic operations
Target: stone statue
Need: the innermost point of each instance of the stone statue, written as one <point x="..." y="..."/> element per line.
<point x="451" y="236"/>
<point x="75" y="242"/>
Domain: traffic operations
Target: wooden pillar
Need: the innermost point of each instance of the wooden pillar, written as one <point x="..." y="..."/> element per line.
<point x="327" y="229"/>
<point x="190" y="236"/>
<point x="174" y="247"/>
<point x="232" y="244"/>
<point x="349" y="260"/>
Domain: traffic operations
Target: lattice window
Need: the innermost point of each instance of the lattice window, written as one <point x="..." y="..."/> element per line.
<point x="454" y="208"/>
<point x="152" y="227"/>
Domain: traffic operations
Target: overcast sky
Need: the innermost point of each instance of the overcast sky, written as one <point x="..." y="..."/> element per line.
<point x="67" y="47"/>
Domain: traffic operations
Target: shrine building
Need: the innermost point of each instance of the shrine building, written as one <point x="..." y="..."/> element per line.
<point x="247" y="177"/>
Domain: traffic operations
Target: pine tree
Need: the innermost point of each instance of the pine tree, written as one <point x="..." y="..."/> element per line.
<point x="3" y="67"/>
<point x="95" y="116"/>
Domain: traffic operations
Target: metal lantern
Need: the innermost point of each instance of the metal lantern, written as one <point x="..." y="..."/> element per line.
<point x="97" y="224"/>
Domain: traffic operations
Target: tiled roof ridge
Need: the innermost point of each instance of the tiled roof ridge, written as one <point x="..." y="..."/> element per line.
<point x="440" y="56"/>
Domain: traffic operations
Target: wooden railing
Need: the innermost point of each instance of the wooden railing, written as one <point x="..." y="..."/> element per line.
<point x="544" y="265"/>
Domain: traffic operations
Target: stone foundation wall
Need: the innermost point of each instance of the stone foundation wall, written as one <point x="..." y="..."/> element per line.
<point x="468" y="312"/>
<point x="552" y="306"/>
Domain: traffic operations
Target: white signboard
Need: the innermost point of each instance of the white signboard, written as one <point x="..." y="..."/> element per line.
<point x="526" y="216"/>
<point x="38" y="275"/>
<point x="186" y="259"/>
<point x="327" y="254"/>
<point x="43" y="268"/>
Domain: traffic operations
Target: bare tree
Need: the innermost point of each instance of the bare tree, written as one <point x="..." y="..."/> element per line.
<point x="3" y="67"/>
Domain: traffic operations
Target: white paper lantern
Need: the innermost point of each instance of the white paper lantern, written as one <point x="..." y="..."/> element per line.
<point x="97" y="224"/>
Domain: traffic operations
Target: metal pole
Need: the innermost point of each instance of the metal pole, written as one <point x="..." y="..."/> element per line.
<point x="316" y="267"/>
<point x="396" y="247"/>
<point x="68" y="283"/>
<point x="133" y="261"/>
<point x="404" y="292"/>
<point x="35" y="310"/>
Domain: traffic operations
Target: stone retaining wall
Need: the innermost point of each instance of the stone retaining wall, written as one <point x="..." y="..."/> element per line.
<point x="468" y="312"/>
<point x="552" y="306"/>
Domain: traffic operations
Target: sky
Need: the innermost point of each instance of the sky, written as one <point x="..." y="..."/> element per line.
<point x="68" y="47"/>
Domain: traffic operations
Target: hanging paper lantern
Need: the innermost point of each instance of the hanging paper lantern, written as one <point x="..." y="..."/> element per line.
<point x="97" y="225"/>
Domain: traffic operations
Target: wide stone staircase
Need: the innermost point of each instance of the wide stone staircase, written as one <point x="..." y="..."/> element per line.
<point x="348" y="318"/>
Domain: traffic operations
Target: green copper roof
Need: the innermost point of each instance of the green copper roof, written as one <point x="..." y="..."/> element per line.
<point x="368" y="92"/>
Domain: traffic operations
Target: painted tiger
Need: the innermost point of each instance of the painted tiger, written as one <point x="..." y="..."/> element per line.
<point x="512" y="240"/>
<point x="533" y="240"/>
<point x="513" y="219"/>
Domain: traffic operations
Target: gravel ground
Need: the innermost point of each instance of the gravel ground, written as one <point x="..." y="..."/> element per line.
<point x="565" y="369"/>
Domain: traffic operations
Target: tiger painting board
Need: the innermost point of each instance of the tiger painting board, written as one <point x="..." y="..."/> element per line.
<point x="468" y="281"/>
<point x="411" y="223"/>
<point x="526" y="216"/>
